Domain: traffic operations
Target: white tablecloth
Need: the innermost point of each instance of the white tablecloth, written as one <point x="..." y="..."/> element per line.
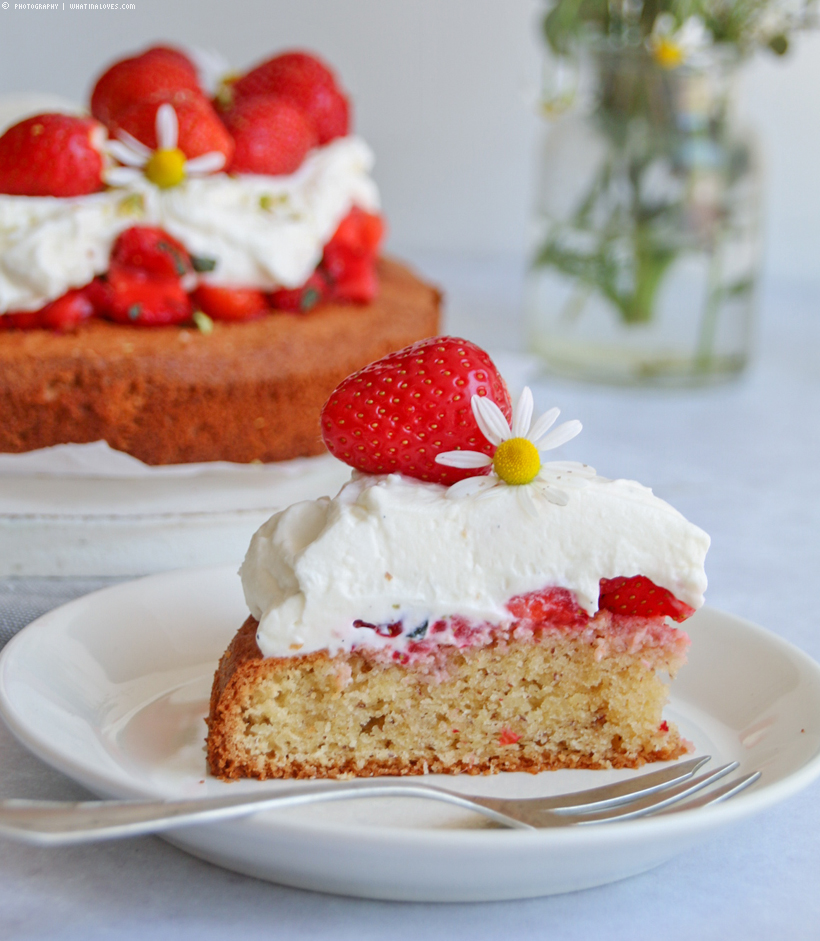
<point x="741" y="461"/>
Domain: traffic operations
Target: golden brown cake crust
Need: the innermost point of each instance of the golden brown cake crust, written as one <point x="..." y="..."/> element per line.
<point x="167" y="395"/>
<point x="240" y="671"/>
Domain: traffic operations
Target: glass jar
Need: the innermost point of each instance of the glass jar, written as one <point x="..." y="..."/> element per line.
<point x="646" y="241"/>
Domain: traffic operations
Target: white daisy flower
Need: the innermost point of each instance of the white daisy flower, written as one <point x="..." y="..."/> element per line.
<point x="517" y="459"/>
<point x="166" y="166"/>
<point x="671" y="46"/>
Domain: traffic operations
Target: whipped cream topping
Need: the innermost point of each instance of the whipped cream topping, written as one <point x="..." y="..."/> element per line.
<point x="390" y="549"/>
<point x="263" y="232"/>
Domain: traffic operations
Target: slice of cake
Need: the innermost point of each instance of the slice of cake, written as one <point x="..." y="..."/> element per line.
<point x="460" y="606"/>
<point x="188" y="278"/>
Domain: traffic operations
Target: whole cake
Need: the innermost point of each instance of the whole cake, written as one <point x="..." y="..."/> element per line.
<point x="189" y="277"/>
<point x="460" y="606"/>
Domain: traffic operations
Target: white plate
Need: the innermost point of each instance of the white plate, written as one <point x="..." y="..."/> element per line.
<point x="112" y="689"/>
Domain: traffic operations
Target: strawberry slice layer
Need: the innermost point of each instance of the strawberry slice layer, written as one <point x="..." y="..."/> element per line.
<point x="640" y="596"/>
<point x="554" y="605"/>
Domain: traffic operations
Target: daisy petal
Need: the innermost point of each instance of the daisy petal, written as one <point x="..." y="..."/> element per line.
<point x="490" y="418"/>
<point x="552" y="495"/>
<point x="464" y="459"/>
<point x="126" y="154"/>
<point x="543" y="425"/>
<point x="167" y="127"/>
<point x="522" y="414"/>
<point x="205" y="164"/>
<point x="526" y="502"/>
<point x="574" y="467"/>
<point x="470" y="486"/>
<point x="133" y="144"/>
<point x="560" y="435"/>
<point x="122" y="176"/>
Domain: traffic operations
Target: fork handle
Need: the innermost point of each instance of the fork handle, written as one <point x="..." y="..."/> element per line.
<point x="53" y="823"/>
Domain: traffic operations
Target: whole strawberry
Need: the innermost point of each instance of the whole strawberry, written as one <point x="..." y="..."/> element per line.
<point x="306" y="82"/>
<point x="271" y="136"/>
<point x="396" y="414"/>
<point x="52" y="155"/>
<point x="200" y="129"/>
<point x="159" y="70"/>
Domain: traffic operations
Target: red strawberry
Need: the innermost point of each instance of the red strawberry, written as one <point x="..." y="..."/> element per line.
<point x="360" y="232"/>
<point x="640" y="596"/>
<point x="156" y="71"/>
<point x="128" y="296"/>
<point x="350" y="256"/>
<point x="63" y="313"/>
<point x="397" y="414"/>
<point x="21" y="320"/>
<point x="299" y="300"/>
<point x="308" y="83"/>
<point x="353" y="277"/>
<point x="230" y="303"/>
<point x="69" y="311"/>
<point x="555" y="606"/>
<point x="200" y="130"/>
<point x="272" y="136"/>
<point x="51" y="155"/>
<point x="151" y="251"/>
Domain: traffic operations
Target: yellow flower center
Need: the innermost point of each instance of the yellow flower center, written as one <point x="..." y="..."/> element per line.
<point x="517" y="461"/>
<point x="667" y="53"/>
<point x="166" y="168"/>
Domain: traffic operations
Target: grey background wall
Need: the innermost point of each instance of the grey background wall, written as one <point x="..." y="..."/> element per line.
<point x="445" y="91"/>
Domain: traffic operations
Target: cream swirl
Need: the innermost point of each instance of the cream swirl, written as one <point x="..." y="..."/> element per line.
<point x="262" y="231"/>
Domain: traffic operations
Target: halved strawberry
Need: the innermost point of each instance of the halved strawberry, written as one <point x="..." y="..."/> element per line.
<point x="52" y="155"/>
<point x="349" y="258"/>
<point x="360" y="232"/>
<point x="641" y="596"/>
<point x="159" y="70"/>
<point x="62" y="314"/>
<point x="397" y="414"/>
<point x="200" y="129"/>
<point x="21" y="320"/>
<point x="128" y="296"/>
<point x="153" y="251"/>
<point x="308" y="83"/>
<point x="232" y="304"/>
<point x="271" y="136"/>
<point x="352" y="276"/>
<point x="304" y="298"/>
<point x="556" y="606"/>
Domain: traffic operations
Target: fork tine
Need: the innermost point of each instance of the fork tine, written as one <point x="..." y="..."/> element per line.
<point x="612" y="795"/>
<point x="653" y="802"/>
<point x="722" y="793"/>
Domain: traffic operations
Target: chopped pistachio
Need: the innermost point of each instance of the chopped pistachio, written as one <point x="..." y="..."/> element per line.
<point x="203" y="263"/>
<point x="203" y="322"/>
<point x="132" y="205"/>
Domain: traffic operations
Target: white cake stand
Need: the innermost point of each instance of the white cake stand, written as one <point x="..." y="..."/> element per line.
<point x="89" y="510"/>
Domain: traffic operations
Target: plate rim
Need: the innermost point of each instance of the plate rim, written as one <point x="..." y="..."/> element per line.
<point x="740" y="807"/>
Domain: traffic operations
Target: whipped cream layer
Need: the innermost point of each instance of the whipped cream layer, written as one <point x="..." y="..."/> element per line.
<point x="390" y="549"/>
<point x="262" y="231"/>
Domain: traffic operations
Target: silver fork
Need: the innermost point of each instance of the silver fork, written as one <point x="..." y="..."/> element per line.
<point x="52" y="823"/>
